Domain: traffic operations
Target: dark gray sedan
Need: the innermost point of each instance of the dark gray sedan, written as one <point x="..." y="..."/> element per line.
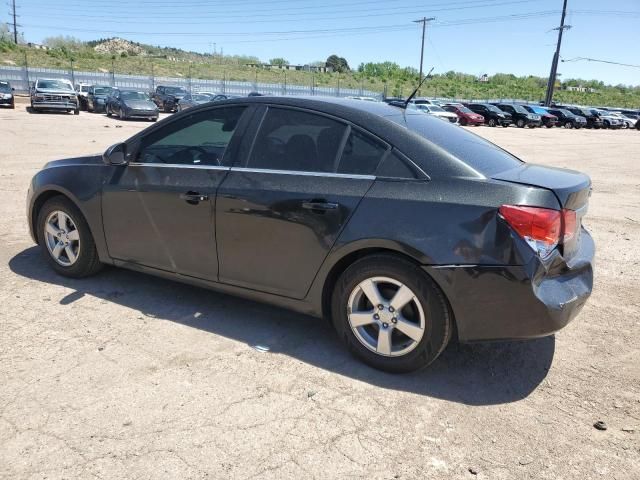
<point x="404" y="230"/>
<point x="127" y="104"/>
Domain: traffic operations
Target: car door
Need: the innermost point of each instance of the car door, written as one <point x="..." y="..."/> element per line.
<point x="158" y="209"/>
<point x="279" y="212"/>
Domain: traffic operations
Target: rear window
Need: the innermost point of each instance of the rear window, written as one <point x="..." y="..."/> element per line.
<point x="480" y="154"/>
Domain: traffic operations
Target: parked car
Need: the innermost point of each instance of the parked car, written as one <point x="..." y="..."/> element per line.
<point x="634" y="114"/>
<point x="548" y="120"/>
<point x="439" y="112"/>
<point x="6" y="94"/>
<point x="567" y="119"/>
<point x="54" y="94"/>
<point x="627" y="121"/>
<point x="422" y="101"/>
<point x="129" y="104"/>
<point x="403" y="229"/>
<point x="493" y="116"/>
<point x="192" y="100"/>
<point x="608" y="120"/>
<point x="166" y="98"/>
<point x="593" y="120"/>
<point x="521" y="117"/>
<point x="465" y="116"/>
<point x="82" y="91"/>
<point x="97" y="98"/>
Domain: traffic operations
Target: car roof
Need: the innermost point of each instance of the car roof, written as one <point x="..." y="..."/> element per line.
<point x="335" y="105"/>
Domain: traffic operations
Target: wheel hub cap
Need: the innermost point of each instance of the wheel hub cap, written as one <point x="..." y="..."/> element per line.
<point x="386" y="317"/>
<point x="62" y="238"/>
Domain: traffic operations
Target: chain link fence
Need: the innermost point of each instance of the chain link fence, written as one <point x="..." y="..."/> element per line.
<point x="22" y="77"/>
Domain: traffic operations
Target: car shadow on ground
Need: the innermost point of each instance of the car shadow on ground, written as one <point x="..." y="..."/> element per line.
<point x="477" y="374"/>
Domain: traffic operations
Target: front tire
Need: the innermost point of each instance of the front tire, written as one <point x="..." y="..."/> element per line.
<point x="492" y="122"/>
<point x="520" y="123"/>
<point x="390" y="314"/>
<point x="107" y="110"/>
<point x="568" y="125"/>
<point x="65" y="239"/>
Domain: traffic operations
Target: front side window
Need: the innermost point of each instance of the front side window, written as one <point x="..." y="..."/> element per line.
<point x="198" y="139"/>
<point x="297" y="141"/>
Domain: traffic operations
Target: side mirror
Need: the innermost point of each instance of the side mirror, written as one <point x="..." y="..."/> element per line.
<point x="115" y="154"/>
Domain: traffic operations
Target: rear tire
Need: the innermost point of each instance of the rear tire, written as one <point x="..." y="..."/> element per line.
<point x="87" y="262"/>
<point x="425" y="314"/>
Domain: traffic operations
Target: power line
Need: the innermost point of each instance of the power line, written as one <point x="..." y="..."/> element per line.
<point x="353" y="30"/>
<point x="223" y="18"/>
<point x="577" y="59"/>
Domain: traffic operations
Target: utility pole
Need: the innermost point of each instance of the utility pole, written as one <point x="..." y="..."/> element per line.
<point x="15" y="24"/>
<point x="423" y="21"/>
<point x="556" y="56"/>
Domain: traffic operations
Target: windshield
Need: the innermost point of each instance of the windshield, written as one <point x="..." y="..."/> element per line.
<point x="538" y="110"/>
<point x="566" y="113"/>
<point x="519" y="109"/>
<point x="54" y="85"/>
<point x="173" y="90"/>
<point x="4" y="87"/>
<point x="436" y="108"/>
<point x="480" y="154"/>
<point x="493" y="108"/>
<point x="102" y="90"/>
<point x="125" y="95"/>
<point x="463" y="109"/>
<point x="202" y="97"/>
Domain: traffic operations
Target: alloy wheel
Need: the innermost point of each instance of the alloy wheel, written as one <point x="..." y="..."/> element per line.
<point x="386" y="316"/>
<point x="62" y="238"/>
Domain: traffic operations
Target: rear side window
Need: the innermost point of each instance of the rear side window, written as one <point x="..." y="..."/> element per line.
<point x="297" y="141"/>
<point x="480" y="154"/>
<point x="361" y="155"/>
<point x="394" y="166"/>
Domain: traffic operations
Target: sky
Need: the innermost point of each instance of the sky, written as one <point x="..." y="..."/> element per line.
<point x="470" y="36"/>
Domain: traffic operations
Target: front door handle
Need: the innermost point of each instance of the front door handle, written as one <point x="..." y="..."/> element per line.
<point x="193" y="198"/>
<point x="319" y="205"/>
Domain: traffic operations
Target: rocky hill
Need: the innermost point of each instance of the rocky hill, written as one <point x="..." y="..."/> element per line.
<point x="117" y="46"/>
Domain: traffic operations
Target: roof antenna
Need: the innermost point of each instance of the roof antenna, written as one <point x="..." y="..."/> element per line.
<point x="413" y="94"/>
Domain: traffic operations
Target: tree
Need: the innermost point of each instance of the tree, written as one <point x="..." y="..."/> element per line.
<point x="279" y="61"/>
<point x="338" y="64"/>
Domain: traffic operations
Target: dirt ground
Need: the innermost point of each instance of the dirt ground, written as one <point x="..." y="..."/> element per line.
<point x="127" y="376"/>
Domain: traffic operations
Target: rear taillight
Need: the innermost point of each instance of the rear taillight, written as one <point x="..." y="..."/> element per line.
<point x="542" y="228"/>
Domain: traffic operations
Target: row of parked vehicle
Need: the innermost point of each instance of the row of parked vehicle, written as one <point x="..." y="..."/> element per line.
<point x="126" y="103"/>
<point x="523" y="115"/>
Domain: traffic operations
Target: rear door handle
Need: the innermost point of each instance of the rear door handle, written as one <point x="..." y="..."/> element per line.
<point x="320" y="205"/>
<point x="193" y="197"/>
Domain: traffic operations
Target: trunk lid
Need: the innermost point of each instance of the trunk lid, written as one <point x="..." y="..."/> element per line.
<point x="571" y="188"/>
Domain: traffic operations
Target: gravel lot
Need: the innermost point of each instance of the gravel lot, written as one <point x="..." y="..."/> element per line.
<point x="127" y="376"/>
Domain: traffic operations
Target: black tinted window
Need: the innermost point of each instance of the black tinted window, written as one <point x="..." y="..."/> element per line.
<point x="480" y="154"/>
<point x="297" y="141"/>
<point x="198" y="139"/>
<point x="361" y="154"/>
<point x="394" y="166"/>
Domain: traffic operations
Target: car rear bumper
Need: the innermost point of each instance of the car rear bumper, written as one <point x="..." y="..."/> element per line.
<point x="517" y="302"/>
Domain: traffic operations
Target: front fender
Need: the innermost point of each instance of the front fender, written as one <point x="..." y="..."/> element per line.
<point x="82" y="184"/>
